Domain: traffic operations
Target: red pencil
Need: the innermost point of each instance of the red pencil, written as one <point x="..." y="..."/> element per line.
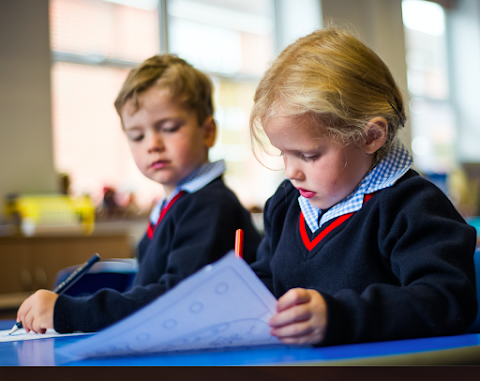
<point x="239" y="243"/>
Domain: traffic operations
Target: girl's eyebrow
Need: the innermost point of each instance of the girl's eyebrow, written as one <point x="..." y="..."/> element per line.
<point x="310" y="150"/>
<point x="300" y="150"/>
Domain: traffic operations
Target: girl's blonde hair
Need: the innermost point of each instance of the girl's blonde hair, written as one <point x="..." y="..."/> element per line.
<point x="185" y="84"/>
<point x="333" y="77"/>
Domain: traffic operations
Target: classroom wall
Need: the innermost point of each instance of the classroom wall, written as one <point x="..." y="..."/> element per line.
<point x="26" y="146"/>
<point x="464" y="62"/>
<point x="295" y="19"/>
<point x="379" y="24"/>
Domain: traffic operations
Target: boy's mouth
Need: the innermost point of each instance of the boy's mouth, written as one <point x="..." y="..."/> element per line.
<point x="306" y="193"/>
<point x="159" y="164"/>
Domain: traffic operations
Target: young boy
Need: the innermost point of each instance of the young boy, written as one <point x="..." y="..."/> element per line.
<point x="165" y="106"/>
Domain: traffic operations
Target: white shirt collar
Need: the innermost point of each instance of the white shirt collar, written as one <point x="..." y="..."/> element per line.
<point x="193" y="182"/>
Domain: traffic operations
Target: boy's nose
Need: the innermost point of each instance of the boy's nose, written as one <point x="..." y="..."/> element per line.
<point x="155" y="143"/>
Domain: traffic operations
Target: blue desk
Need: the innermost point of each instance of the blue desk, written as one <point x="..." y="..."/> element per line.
<point x="449" y="350"/>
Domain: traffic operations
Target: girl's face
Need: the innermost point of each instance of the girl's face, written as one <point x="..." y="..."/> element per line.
<point x="324" y="170"/>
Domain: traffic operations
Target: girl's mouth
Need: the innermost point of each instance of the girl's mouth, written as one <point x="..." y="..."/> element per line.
<point x="306" y="193"/>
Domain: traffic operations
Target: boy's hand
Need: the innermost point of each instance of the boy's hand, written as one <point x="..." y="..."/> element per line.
<point x="36" y="312"/>
<point x="301" y="317"/>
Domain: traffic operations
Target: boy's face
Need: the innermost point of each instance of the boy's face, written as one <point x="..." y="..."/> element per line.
<point x="324" y="170"/>
<point x="166" y="141"/>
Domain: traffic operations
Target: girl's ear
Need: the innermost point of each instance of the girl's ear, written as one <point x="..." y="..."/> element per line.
<point x="376" y="133"/>
<point x="210" y="132"/>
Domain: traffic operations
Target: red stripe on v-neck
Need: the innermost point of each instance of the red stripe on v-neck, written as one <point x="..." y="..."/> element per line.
<point x="303" y="231"/>
<point x="150" y="229"/>
<point x="311" y="244"/>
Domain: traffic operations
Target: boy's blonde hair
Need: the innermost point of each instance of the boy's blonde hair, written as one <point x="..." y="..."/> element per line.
<point x="333" y="77"/>
<point x="185" y="84"/>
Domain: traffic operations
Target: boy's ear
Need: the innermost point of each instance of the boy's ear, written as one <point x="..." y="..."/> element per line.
<point x="376" y="133"/>
<point x="210" y="131"/>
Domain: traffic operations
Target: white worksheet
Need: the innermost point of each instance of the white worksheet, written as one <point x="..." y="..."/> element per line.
<point x="223" y="305"/>
<point x="21" y="335"/>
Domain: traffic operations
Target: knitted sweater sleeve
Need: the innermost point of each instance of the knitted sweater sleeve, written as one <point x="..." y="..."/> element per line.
<point x="201" y="231"/>
<point x="264" y="254"/>
<point x="273" y="212"/>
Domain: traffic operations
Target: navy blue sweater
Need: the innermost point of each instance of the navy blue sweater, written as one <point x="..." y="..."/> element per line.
<point x="400" y="267"/>
<point x="198" y="229"/>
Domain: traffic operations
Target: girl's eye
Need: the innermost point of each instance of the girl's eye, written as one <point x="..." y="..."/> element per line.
<point x="310" y="158"/>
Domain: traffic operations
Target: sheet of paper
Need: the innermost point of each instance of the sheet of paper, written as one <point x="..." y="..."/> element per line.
<point x="223" y="305"/>
<point x="22" y="335"/>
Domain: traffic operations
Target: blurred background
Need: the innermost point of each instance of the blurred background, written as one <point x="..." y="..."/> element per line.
<point x="66" y="175"/>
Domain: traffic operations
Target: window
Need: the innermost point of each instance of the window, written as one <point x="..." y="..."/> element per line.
<point x="94" y="43"/>
<point x="432" y="116"/>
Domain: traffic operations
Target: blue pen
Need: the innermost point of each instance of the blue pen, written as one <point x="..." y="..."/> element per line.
<point x="67" y="283"/>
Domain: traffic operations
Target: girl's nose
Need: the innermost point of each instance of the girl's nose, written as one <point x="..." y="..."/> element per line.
<point x="155" y="142"/>
<point x="292" y="169"/>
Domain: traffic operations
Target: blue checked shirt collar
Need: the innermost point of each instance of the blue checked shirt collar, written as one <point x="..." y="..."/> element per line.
<point x="195" y="181"/>
<point x="384" y="175"/>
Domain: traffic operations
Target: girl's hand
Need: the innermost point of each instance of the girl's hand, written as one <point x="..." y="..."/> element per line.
<point x="36" y="312"/>
<point x="301" y="317"/>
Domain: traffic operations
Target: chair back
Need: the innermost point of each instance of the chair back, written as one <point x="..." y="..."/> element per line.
<point x="475" y="327"/>
<point x="117" y="274"/>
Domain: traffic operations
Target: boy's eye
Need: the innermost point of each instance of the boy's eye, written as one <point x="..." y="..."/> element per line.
<point x="170" y="128"/>
<point x="135" y="137"/>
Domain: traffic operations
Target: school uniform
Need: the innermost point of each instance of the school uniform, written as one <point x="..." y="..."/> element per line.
<point x="394" y="260"/>
<point x="197" y="226"/>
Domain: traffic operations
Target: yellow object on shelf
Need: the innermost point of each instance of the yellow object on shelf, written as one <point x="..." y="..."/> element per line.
<point x="50" y="213"/>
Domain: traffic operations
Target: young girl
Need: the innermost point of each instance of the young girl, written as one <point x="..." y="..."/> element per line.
<point x="358" y="247"/>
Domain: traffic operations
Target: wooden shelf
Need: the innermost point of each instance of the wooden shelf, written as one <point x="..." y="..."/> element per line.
<point x="13" y="301"/>
<point x="30" y="263"/>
